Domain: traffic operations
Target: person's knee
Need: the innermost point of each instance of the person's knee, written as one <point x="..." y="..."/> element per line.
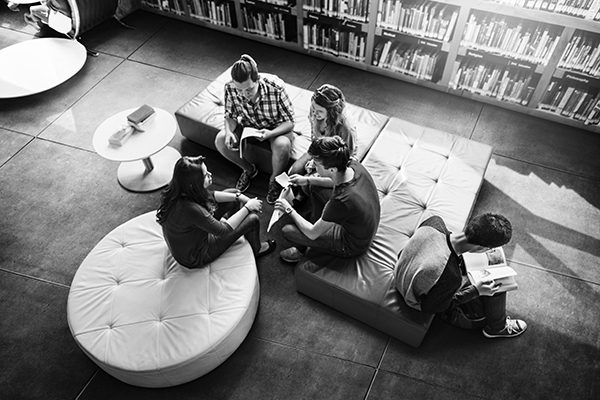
<point x="220" y="141"/>
<point x="254" y="220"/>
<point x="281" y="146"/>
<point x="288" y="231"/>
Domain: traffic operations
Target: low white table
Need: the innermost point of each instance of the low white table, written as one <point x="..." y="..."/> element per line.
<point x="37" y="65"/>
<point x="146" y="160"/>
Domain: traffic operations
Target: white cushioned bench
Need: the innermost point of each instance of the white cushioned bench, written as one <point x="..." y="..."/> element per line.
<point x="150" y="322"/>
<point x="418" y="172"/>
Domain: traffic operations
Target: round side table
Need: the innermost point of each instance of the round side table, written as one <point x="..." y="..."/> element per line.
<point x="36" y="65"/>
<point x="146" y="160"/>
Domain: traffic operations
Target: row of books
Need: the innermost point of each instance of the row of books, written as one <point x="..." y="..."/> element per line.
<point x="582" y="54"/>
<point x="279" y="2"/>
<point x="174" y="6"/>
<point x="587" y="9"/>
<point x="261" y="22"/>
<point x="216" y="12"/>
<point x="511" y="37"/>
<point x="502" y="82"/>
<point x="582" y="104"/>
<point x="334" y="41"/>
<point x="409" y="59"/>
<point x="355" y="10"/>
<point x="422" y="18"/>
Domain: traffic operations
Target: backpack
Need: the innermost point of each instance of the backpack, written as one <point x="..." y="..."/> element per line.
<point x="469" y="315"/>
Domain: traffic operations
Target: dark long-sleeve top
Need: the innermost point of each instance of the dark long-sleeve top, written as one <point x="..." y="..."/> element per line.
<point x="188" y="230"/>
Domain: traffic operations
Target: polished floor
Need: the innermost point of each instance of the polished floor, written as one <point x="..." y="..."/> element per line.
<point x="59" y="198"/>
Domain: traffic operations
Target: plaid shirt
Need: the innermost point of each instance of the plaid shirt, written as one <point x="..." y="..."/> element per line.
<point x="271" y="108"/>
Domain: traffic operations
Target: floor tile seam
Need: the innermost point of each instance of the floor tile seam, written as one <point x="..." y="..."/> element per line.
<point x="318" y="74"/>
<point x="64" y="144"/>
<point x="432" y="384"/>
<point x="31" y="139"/>
<point x="169" y="70"/>
<point x="62" y="285"/>
<point x="540" y="268"/>
<point x="88" y="383"/>
<point x="547" y="167"/>
<point x="291" y="346"/>
<point x="387" y="344"/>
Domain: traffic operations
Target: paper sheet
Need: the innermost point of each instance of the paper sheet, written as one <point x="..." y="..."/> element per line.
<point x="284" y="180"/>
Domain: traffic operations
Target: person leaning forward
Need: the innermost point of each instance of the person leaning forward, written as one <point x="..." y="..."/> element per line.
<point x="347" y="221"/>
<point x="431" y="274"/>
<point x="262" y="103"/>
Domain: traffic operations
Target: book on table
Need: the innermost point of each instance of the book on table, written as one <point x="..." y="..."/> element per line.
<point x="491" y="266"/>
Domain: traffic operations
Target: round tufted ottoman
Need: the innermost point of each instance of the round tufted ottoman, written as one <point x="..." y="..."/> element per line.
<point x="148" y="321"/>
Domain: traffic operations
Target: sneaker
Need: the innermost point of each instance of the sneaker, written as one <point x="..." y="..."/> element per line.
<point x="291" y="255"/>
<point x="243" y="182"/>
<point x="513" y="328"/>
<point x="273" y="192"/>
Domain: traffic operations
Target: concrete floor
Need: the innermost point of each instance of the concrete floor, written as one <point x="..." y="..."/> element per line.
<point x="59" y="198"/>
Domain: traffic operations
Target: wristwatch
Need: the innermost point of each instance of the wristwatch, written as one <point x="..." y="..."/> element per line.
<point x="288" y="210"/>
<point x="237" y="195"/>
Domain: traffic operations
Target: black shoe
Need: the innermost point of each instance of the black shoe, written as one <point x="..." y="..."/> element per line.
<point x="273" y="192"/>
<point x="243" y="182"/>
<point x="272" y="245"/>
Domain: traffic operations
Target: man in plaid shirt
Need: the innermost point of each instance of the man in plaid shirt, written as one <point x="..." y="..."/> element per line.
<point x="259" y="102"/>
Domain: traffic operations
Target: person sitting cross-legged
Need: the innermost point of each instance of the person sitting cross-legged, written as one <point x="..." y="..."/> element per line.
<point x="200" y="225"/>
<point x="262" y="103"/>
<point x="431" y="274"/>
<point x="350" y="216"/>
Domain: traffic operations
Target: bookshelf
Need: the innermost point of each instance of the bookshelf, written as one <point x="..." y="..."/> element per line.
<point x="538" y="57"/>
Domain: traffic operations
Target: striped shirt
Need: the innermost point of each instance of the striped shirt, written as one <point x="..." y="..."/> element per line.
<point x="271" y="108"/>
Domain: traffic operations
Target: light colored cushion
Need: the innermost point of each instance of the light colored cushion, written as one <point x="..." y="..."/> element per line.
<point x="148" y="321"/>
<point x="419" y="172"/>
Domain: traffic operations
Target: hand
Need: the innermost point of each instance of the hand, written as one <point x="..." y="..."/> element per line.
<point x="298" y="180"/>
<point x="254" y="205"/>
<point x="231" y="141"/>
<point x="243" y="199"/>
<point x="264" y="135"/>
<point x="282" y="205"/>
<point x="488" y="288"/>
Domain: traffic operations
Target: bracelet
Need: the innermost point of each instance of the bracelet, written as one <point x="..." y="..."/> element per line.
<point x="247" y="208"/>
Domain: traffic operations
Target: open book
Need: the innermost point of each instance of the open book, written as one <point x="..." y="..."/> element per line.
<point x="247" y="133"/>
<point x="489" y="266"/>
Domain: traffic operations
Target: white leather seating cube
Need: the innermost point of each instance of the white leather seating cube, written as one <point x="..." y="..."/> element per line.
<point x="150" y="322"/>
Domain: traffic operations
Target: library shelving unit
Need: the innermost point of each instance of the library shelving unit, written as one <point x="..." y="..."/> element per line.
<point x="538" y="57"/>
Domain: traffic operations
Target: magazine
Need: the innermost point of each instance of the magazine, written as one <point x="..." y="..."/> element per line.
<point x="491" y="266"/>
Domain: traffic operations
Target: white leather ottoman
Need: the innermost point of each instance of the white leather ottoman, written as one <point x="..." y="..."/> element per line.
<point x="148" y="321"/>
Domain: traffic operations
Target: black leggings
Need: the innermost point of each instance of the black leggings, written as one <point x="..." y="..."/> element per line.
<point x="249" y="228"/>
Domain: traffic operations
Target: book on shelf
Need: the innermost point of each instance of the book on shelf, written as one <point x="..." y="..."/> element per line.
<point x="491" y="266"/>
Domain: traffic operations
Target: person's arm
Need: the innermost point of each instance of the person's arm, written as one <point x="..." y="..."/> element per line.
<point x="285" y="110"/>
<point x="228" y="197"/>
<point x="252" y="205"/>
<point x="303" y="180"/>
<point x="284" y="127"/>
<point x="311" y="231"/>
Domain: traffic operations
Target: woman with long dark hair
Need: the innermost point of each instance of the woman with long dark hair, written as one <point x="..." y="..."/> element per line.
<point x="200" y="225"/>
